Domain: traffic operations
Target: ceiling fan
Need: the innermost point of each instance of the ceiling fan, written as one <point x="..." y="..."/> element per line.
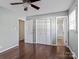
<point x="28" y="2"/>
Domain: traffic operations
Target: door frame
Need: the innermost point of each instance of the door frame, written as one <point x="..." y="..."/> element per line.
<point x="66" y="18"/>
<point x="21" y="30"/>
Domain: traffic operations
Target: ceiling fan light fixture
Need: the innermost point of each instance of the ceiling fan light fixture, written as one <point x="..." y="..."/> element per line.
<point x="26" y="4"/>
<point x="25" y="9"/>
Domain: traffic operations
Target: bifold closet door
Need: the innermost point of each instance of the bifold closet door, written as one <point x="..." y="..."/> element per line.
<point x="46" y="30"/>
<point x="29" y="31"/>
<point x="43" y="31"/>
<point x="52" y="30"/>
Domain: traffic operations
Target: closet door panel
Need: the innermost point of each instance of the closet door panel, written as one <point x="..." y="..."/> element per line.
<point x="29" y="31"/>
<point x="53" y="30"/>
<point x="43" y="31"/>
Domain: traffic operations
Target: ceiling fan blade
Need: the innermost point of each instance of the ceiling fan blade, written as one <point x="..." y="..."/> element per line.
<point x="34" y="1"/>
<point x="34" y="6"/>
<point x="16" y="3"/>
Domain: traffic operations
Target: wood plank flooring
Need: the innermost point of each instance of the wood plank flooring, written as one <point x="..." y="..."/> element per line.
<point x="37" y="51"/>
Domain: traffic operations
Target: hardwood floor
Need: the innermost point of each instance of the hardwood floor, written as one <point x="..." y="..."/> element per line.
<point x="37" y="51"/>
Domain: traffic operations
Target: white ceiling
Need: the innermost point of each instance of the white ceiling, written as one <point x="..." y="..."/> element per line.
<point x="46" y="6"/>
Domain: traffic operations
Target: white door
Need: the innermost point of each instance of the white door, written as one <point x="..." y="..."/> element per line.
<point x="43" y="31"/>
<point x="29" y="31"/>
<point x="62" y="30"/>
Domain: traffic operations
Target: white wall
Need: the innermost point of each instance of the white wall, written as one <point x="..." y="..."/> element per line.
<point x="73" y="35"/>
<point x="8" y="29"/>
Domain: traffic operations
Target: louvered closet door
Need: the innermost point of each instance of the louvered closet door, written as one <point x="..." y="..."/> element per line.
<point x="29" y="31"/>
<point x="43" y="31"/>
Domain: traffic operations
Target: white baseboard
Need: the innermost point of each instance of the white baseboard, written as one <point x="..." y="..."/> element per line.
<point x="73" y="54"/>
<point x="42" y="43"/>
<point x="8" y="48"/>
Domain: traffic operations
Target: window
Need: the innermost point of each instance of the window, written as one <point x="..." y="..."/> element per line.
<point x="72" y="20"/>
